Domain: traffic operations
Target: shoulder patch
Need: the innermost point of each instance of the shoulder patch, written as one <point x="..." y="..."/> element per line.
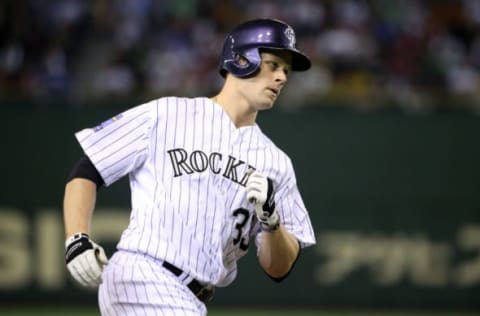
<point x="107" y="122"/>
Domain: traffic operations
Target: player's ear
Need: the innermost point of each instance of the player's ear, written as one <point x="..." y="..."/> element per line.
<point x="240" y="60"/>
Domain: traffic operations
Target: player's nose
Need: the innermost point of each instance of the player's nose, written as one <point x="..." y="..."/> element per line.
<point x="281" y="76"/>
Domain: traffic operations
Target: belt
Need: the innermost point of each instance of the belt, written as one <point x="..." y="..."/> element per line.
<point x="203" y="293"/>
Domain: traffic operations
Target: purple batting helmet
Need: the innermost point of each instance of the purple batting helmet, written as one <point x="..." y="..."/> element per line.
<point x="246" y="40"/>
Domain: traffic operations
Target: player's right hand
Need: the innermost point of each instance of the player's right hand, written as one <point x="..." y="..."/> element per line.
<point x="85" y="260"/>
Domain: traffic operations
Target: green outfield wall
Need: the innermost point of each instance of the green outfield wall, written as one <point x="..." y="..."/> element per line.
<point x="394" y="198"/>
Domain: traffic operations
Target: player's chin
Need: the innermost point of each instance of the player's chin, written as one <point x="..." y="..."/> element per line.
<point x="267" y="104"/>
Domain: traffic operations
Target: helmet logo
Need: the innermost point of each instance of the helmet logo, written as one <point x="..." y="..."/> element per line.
<point x="290" y="35"/>
<point x="232" y="42"/>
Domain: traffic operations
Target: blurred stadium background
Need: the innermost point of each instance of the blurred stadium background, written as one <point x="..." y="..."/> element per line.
<point x="383" y="131"/>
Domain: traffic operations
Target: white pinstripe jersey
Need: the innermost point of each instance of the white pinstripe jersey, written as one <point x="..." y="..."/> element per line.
<point x="187" y="164"/>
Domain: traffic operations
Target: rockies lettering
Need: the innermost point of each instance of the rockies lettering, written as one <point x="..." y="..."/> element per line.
<point x="199" y="161"/>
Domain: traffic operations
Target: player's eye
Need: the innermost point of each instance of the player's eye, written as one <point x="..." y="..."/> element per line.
<point x="272" y="65"/>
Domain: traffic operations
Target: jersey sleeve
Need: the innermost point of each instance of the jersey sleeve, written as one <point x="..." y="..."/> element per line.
<point x="120" y="144"/>
<point x="293" y="214"/>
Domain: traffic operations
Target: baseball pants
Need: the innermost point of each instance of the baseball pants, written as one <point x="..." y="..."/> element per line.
<point x="134" y="284"/>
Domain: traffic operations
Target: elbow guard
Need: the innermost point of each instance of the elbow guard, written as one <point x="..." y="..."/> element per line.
<point x="85" y="169"/>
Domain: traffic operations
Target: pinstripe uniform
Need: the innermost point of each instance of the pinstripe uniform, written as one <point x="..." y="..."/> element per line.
<point x="187" y="165"/>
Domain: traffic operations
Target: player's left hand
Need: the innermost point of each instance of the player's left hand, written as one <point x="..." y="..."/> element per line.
<point x="85" y="260"/>
<point x="260" y="191"/>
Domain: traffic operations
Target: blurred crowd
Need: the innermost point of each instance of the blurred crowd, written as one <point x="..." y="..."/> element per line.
<point x="419" y="55"/>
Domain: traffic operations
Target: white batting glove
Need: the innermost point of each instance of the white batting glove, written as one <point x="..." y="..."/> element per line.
<point x="85" y="260"/>
<point x="260" y="191"/>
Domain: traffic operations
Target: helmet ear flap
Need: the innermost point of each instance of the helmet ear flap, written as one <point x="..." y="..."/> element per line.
<point x="243" y="64"/>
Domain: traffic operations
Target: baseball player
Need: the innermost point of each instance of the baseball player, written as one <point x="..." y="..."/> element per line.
<point x="206" y="183"/>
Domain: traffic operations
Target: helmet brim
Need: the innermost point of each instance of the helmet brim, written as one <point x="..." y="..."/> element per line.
<point x="300" y="62"/>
